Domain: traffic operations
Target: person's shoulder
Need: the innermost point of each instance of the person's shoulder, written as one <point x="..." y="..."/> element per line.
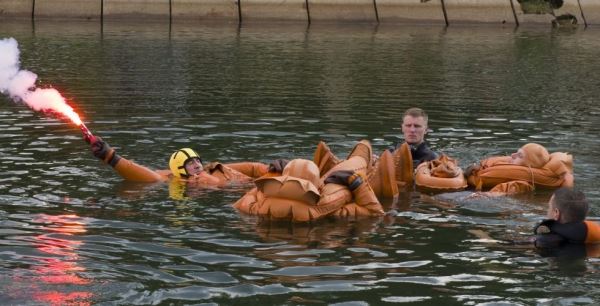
<point x="427" y="151"/>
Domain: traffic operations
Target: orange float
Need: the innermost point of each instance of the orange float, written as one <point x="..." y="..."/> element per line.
<point x="557" y="172"/>
<point x="593" y="232"/>
<point x="300" y="195"/>
<point x="441" y="174"/>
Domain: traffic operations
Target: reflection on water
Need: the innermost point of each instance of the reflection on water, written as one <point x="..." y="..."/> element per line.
<point x="73" y="233"/>
<point x="50" y="273"/>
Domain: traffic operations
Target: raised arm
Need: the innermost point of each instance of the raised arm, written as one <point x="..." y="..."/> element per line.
<point x="127" y="169"/>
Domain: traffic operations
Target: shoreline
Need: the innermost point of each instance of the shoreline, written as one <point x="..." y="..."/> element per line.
<point x="442" y="12"/>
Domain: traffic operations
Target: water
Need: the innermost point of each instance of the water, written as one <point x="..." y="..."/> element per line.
<point x="72" y="232"/>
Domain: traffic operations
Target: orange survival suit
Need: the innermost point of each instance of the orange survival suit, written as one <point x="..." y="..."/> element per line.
<point x="300" y="194"/>
<point x="499" y="174"/>
<point x="387" y="175"/>
<point x="215" y="174"/>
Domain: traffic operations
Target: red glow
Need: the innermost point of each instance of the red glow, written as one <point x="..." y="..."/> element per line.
<point x="62" y="269"/>
<point x="59" y="298"/>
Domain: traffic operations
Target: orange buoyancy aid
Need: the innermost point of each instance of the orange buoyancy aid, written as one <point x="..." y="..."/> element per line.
<point x="299" y="198"/>
<point x="392" y="173"/>
<point x="382" y="178"/>
<point x="593" y="232"/>
<point x="324" y="158"/>
<point x="441" y="174"/>
<point x="403" y="166"/>
<point x="389" y="174"/>
<point x="243" y="172"/>
<point x="499" y="169"/>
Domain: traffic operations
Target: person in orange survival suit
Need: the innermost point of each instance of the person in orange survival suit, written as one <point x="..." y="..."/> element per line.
<point x="300" y="194"/>
<point x="531" y="166"/>
<point x="387" y="174"/>
<point x="185" y="164"/>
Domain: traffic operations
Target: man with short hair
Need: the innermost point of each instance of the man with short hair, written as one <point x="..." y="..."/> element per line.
<point x="414" y="128"/>
<point x="565" y="223"/>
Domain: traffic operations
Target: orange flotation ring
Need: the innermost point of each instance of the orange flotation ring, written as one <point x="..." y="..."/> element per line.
<point x="441" y="174"/>
<point x="499" y="169"/>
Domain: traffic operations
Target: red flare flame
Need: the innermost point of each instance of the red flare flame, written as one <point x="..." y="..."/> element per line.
<point x="50" y="100"/>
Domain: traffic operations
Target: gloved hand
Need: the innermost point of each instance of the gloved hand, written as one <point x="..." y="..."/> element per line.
<point x="103" y="151"/>
<point x="89" y="138"/>
<point x="544" y="227"/>
<point x="278" y="165"/>
<point x="100" y="148"/>
<point x="345" y="177"/>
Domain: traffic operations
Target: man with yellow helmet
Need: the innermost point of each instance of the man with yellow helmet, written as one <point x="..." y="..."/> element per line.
<point x="185" y="164"/>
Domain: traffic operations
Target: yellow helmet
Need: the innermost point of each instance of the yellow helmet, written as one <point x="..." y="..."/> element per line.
<point x="178" y="160"/>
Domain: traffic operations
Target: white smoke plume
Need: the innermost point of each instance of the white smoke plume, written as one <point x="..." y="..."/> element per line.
<point x="20" y="84"/>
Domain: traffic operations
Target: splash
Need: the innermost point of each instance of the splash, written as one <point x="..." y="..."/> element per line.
<point x="20" y="85"/>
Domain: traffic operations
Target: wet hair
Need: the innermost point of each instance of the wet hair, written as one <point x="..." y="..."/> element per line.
<point x="416" y="112"/>
<point x="571" y="204"/>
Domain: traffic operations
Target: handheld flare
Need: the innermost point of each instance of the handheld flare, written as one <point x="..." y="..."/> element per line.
<point x="87" y="134"/>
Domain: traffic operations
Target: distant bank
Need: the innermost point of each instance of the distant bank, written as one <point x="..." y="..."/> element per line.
<point x="516" y="12"/>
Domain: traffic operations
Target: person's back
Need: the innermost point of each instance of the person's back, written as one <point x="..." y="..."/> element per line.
<point x="565" y="223"/>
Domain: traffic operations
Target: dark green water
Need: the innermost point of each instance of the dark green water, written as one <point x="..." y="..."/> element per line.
<point x="72" y="232"/>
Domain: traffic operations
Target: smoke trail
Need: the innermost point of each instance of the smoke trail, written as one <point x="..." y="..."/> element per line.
<point x="20" y="84"/>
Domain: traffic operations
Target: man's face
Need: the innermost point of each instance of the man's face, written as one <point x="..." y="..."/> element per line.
<point x="518" y="158"/>
<point x="193" y="167"/>
<point x="414" y="129"/>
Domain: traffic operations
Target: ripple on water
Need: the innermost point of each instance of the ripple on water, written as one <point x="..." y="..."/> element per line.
<point x="232" y="108"/>
<point x="216" y="277"/>
<point x="441" y="280"/>
<point x="337" y="285"/>
<point x="405" y="299"/>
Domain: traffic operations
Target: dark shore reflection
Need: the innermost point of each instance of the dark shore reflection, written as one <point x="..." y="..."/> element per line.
<point x="73" y="232"/>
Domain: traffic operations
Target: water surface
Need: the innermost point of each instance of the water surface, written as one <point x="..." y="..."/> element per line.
<point x="73" y="232"/>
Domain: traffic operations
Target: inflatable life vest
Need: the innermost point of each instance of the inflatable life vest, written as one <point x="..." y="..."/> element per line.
<point x="593" y="232"/>
<point x="299" y="195"/>
<point x="441" y="174"/>
<point x="499" y="169"/>
<point x="387" y="176"/>
<point x="403" y="167"/>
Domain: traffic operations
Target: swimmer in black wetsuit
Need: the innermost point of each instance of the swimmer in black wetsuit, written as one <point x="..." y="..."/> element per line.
<point x="565" y="223"/>
<point x="414" y="128"/>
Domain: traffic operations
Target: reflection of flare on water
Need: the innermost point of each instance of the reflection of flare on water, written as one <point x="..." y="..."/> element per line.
<point x="62" y="268"/>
